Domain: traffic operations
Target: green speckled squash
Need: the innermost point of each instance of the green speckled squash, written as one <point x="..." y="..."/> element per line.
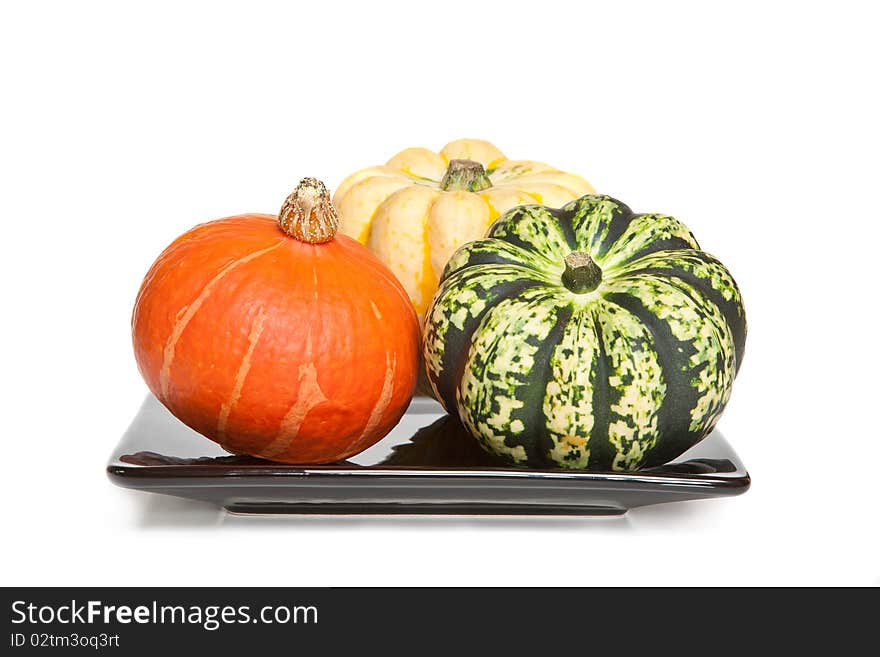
<point x="585" y="337"/>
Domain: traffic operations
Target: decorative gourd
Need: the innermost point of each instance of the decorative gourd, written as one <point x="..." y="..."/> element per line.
<point x="585" y="337"/>
<point x="417" y="209"/>
<point x="276" y="338"/>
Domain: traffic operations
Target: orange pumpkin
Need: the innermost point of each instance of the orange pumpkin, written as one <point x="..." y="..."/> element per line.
<point x="275" y="337"/>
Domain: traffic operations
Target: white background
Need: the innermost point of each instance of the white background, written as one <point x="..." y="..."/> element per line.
<point x="757" y="126"/>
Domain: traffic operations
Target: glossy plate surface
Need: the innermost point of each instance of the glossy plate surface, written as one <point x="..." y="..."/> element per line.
<point x="427" y="464"/>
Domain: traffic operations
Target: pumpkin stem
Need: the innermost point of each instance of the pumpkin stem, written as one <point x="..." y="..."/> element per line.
<point x="581" y="274"/>
<point x="465" y="175"/>
<point x="307" y="214"/>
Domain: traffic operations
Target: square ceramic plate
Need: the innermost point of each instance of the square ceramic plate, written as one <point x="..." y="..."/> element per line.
<point x="427" y="464"/>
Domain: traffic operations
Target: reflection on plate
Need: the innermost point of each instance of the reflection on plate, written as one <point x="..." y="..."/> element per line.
<point x="442" y="444"/>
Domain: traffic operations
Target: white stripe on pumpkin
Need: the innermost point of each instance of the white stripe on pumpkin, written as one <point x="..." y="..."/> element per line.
<point x="308" y="396"/>
<point x="382" y="403"/>
<point x="241" y="374"/>
<point x="190" y="311"/>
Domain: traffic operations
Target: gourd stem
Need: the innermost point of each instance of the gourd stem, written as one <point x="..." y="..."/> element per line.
<point x="465" y="175"/>
<point x="581" y="274"/>
<point x="307" y="214"/>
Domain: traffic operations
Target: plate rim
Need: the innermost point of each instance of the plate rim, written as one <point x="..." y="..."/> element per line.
<point x="269" y="474"/>
<point x="241" y="476"/>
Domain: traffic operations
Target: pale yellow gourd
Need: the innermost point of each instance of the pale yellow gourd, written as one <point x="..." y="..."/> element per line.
<point x="418" y="208"/>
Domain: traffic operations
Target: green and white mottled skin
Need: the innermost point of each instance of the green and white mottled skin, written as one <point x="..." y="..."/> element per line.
<point x="627" y="374"/>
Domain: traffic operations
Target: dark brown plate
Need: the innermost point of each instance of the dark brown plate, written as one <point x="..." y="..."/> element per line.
<point x="427" y="464"/>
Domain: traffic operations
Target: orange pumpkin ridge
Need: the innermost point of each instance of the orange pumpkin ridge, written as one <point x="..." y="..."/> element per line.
<point x="274" y="337"/>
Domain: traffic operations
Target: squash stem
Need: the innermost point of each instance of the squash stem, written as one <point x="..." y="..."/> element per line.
<point x="307" y="214"/>
<point x="581" y="274"/>
<point x="465" y="175"/>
